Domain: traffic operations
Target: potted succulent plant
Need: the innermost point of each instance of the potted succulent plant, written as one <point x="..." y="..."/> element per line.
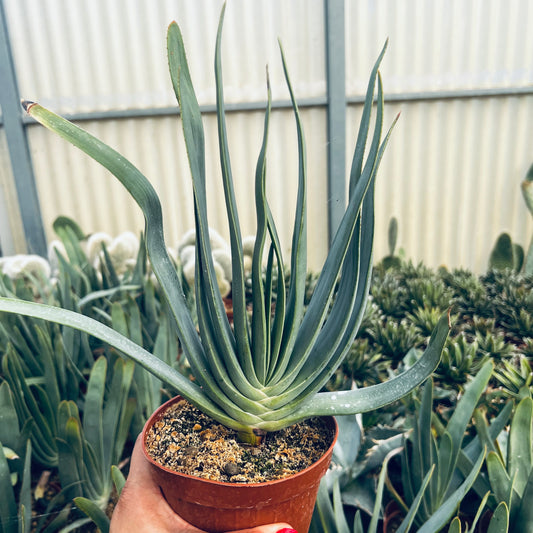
<point x="265" y="371"/>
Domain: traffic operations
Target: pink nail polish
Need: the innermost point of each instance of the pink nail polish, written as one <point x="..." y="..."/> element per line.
<point x="287" y="530"/>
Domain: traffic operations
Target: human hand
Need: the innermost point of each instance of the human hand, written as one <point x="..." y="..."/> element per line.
<point x="143" y="509"/>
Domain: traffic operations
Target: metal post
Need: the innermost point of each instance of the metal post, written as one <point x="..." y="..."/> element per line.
<point x="336" y="112"/>
<point x="17" y="143"/>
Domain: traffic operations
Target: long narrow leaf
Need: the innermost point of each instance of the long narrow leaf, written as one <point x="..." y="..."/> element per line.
<point x="370" y="398"/>
<point x="323" y="513"/>
<point x="167" y="374"/>
<point x="205" y="277"/>
<point x="228" y="384"/>
<point x="499" y="523"/>
<point x="499" y="479"/>
<point x="296" y="291"/>
<point x="260" y="322"/>
<point x="8" y="505"/>
<point x="358" y="156"/>
<point x="118" y="479"/>
<point x="460" y="418"/>
<point x="524" y="515"/>
<point x="113" y="411"/>
<point x="316" y="313"/>
<point x="520" y="446"/>
<point x="240" y="317"/>
<point x="144" y="194"/>
<point x="338" y="510"/>
<point x="441" y="517"/>
<point x="372" y="528"/>
<point x="93" y="423"/>
<point x="409" y="519"/>
<point x="472" y="450"/>
<point x="94" y="513"/>
<point x="25" y="495"/>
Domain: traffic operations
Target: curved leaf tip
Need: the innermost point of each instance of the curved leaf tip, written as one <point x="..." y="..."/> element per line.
<point x="27" y="105"/>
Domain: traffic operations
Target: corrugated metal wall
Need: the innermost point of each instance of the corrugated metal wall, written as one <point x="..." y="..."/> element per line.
<point x="452" y="172"/>
<point x="457" y="156"/>
<point x="11" y="231"/>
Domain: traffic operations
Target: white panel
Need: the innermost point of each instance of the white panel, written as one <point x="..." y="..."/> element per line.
<point x="91" y="55"/>
<point x="11" y="231"/>
<point x="452" y="172"/>
<point x="71" y="184"/>
<point x="440" y="44"/>
<point x="451" y="175"/>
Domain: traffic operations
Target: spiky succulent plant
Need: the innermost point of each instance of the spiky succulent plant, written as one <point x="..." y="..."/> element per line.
<point x="264" y="372"/>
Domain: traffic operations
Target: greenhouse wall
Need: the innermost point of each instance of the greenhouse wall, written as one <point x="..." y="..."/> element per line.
<point x="459" y="72"/>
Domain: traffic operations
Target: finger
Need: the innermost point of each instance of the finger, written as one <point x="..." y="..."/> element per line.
<point x="269" y="528"/>
<point x="139" y="467"/>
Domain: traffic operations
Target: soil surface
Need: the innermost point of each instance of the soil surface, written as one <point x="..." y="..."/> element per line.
<point x="187" y="441"/>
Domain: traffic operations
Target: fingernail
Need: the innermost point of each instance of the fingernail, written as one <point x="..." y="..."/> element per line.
<point x="287" y="530"/>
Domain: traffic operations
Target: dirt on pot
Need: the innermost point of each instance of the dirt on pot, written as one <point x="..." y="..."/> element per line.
<point x="187" y="441"/>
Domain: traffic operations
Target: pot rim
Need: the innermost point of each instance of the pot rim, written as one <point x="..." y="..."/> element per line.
<point x="157" y="414"/>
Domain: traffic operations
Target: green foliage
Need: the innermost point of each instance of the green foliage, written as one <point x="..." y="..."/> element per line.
<point x="527" y="191"/>
<point x="456" y="526"/>
<point x="395" y="338"/>
<point x="430" y="472"/>
<point x="36" y="401"/>
<point x="425" y="455"/>
<point x="361" y="362"/>
<point x="88" y="449"/>
<point x="506" y="254"/>
<point x="140" y="315"/>
<point x="355" y="457"/>
<point x="493" y="345"/>
<point x="469" y="294"/>
<point x="264" y="371"/>
<point x="460" y="361"/>
<point x="425" y="319"/>
<point x="492" y="317"/>
<point x="347" y="484"/>
<point x="61" y="407"/>
<point x="511" y="299"/>
<point x="329" y="514"/>
<point x="15" y="505"/>
<point x="15" y="468"/>
<point x="392" y="261"/>
<point x="511" y="474"/>
<point x="527" y="347"/>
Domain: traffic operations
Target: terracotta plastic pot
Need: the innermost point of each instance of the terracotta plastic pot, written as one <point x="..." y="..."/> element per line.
<point x="216" y="506"/>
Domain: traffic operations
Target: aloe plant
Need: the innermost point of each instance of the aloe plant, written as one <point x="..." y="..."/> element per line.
<point x="355" y="457"/>
<point x="129" y="302"/>
<point x="87" y="450"/>
<point x="426" y="455"/>
<point x="511" y="475"/>
<point x="391" y="260"/>
<point x="329" y="515"/>
<point x="264" y="372"/>
<point x="457" y="527"/>
<point x="509" y="254"/>
<point x="460" y="361"/>
<point x="15" y="502"/>
<point x="37" y="393"/>
<point x="515" y="377"/>
<point x="15" y="518"/>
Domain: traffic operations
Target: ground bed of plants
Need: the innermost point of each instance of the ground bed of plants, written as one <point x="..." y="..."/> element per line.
<point x="422" y="464"/>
